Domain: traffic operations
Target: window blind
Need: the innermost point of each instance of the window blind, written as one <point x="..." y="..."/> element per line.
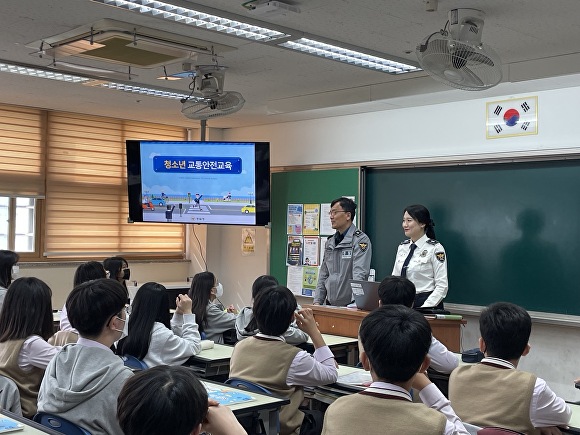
<point x="86" y="190"/>
<point x="22" y="151"/>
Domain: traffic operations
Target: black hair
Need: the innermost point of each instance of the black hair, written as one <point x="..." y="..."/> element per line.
<point x="505" y="329"/>
<point x="199" y="292"/>
<point x="262" y="282"/>
<point x="89" y="271"/>
<point x="27" y="310"/>
<point x="149" y="306"/>
<point x="91" y="305"/>
<point x="115" y="265"/>
<point x="347" y="205"/>
<point x="420" y="213"/>
<point x="274" y="309"/>
<point x="7" y="260"/>
<point x="397" y="290"/>
<point x="162" y="400"/>
<point x="396" y="340"/>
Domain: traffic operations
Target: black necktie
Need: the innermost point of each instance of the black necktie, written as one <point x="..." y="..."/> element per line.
<point x="338" y="237"/>
<point x="406" y="263"/>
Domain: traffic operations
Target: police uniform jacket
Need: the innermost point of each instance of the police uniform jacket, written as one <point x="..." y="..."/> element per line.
<point x="349" y="259"/>
<point x="427" y="268"/>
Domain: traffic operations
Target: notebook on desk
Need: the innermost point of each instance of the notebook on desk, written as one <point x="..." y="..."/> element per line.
<point x="365" y="294"/>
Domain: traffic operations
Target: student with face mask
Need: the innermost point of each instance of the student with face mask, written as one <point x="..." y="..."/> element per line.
<point x="212" y="319"/>
<point x="8" y="269"/>
<point x="83" y="380"/>
<point x="118" y="269"/>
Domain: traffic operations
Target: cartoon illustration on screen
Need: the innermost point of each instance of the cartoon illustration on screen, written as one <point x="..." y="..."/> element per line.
<point x="205" y="183"/>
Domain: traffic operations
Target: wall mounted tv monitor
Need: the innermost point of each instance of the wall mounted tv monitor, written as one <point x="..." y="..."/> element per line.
<point x="199" y="182"/>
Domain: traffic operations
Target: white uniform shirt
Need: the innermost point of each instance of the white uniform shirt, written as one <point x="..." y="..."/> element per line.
<point x="427" y="268"/>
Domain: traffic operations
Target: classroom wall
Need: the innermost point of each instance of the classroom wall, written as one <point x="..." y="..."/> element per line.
<point x="436" y="132"/>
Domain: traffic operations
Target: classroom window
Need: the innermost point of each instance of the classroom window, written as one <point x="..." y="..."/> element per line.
<point x="18" y="224"/>
<point x="63" y="187"/>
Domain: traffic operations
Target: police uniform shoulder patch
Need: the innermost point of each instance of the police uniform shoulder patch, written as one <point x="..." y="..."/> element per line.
<point x="440" y="256"/>
<point x="406" y="242"/>
<point x="363" y="246"/>
<point x="357" y="233"/>
<point x="432" y="241"/>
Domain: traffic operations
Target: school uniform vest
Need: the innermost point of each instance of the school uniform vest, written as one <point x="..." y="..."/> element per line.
<point x="375" y="414"/>
<point x="266" y="362"/>
<point x="28" y="382"/>
<point x="486" y="395"/>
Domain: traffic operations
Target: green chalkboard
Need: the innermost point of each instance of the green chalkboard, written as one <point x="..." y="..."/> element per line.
<point x="303" y="187"/>
<point x="511" y="230"/>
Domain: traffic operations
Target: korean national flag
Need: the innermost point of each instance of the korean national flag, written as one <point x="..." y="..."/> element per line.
<point x="515" y="117"/>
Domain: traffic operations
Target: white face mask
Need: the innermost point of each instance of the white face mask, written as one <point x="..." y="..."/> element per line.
<point x="125" y="331"/>
<point x="15" y="271"/>
<point x="219" y="290"/>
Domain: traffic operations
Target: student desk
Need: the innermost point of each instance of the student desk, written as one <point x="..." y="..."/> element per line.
<point x="212" y="362"/>
<point x="216" y="361"/>
<point x="346" y="321"/>
<point x="267" y="406"/>
<point x="341" y="346"/>
<point x="574" y="421"/>
<point x="30" y="427"/>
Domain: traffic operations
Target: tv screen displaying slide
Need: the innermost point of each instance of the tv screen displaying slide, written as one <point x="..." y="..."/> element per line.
<point x="199" y="182"/>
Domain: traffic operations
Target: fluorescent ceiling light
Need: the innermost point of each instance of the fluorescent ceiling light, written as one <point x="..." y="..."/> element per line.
<point x="142" y="90"/>
<point x="31" y="71"/>
<point x="195" y="18"/>
<point x="351" y="57"/>
<point x="43" y="74"/>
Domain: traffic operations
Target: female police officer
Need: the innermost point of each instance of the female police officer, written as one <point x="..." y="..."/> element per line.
<point x="422" y="259"/>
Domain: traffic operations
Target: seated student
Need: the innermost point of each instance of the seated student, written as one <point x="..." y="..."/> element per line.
<point x="83" y="380"/>
<point x="493" y="392"/>
<point x="246" y="325"/>
<point x="171" y="400"/>
<point x="118" y="269"/>
<point x="212" y="319"/>
<point x="25" y="325"/>
<point x="84" y="272"/>
<point x="393" y="345"/>
<point x="8" y="260"/>
<point x="283" y="369"/>
<point x="398" y="290"/>
<point x="152" y="337"/>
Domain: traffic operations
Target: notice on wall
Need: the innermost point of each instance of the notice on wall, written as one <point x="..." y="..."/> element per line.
<point x="294" y="279"/>
<point x="309" y="280"/>
<point x="325" y="225"/>
<point x="311" y="225"/>
<point x="294" y="251"/>
<point x="310" y="251"/>
<point x="248" y="241"/>
<point x="294" y="219"/>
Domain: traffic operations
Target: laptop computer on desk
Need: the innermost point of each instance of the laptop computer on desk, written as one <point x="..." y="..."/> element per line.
<point x="365" y="293"/>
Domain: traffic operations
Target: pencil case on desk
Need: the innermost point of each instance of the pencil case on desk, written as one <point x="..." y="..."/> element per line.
<point x="472" y="355"/>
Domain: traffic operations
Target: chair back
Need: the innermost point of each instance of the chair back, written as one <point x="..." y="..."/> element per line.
<point x="497" y="431"/>
<point x="253" y="424"/>
<point x="59" y="424"/>
<point x="133" y="363"/>
<point x="247" y="385"/>
<point x="9" y="395"/>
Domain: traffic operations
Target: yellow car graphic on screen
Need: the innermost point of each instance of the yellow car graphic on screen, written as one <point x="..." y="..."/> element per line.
<point x="250" y="208"/>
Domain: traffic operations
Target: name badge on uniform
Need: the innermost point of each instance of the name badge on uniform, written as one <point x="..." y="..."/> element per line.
<point x="347" y="253"/>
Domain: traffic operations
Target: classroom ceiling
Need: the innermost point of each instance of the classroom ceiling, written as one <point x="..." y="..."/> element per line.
<point x="536" y="40"/>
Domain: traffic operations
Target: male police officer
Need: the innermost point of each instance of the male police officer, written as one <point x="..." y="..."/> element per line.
<point x="347" y="255"/>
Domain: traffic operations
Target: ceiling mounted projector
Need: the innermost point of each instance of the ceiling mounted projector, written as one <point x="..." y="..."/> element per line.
<point x="272" y="8"/>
